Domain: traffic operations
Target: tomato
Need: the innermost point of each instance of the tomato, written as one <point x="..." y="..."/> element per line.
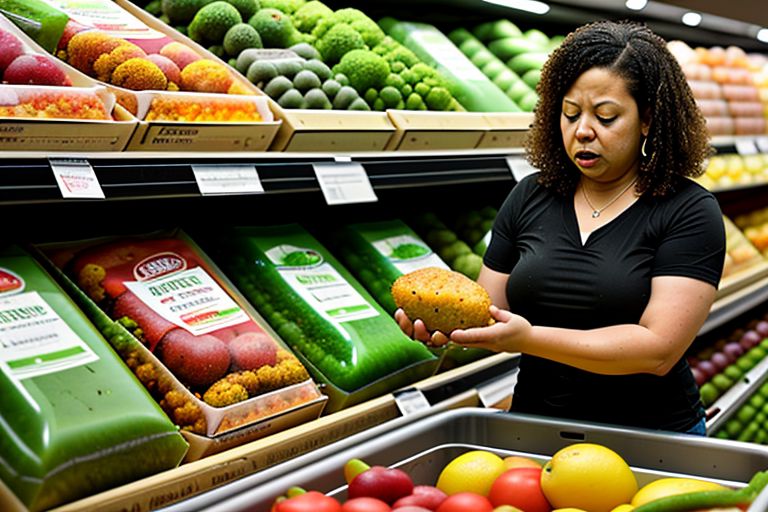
<point x="311" y="501"/>
<point x="521" y="488"/>
<point x="464" y="502"/>
<point x="365" y="504"/>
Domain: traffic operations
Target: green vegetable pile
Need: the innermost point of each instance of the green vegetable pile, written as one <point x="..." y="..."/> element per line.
<point x="444" y="241"/>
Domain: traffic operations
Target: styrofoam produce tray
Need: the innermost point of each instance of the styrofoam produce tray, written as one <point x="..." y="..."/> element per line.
<point x="424" y="447"/>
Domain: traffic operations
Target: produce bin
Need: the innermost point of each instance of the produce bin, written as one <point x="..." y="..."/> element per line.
<point x="424" y="130"/>
<point x="505" y="130"/>
<point x="424" y="447"/>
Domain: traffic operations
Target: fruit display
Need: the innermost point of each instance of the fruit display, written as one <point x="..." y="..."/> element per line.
<point x="75" y="421"/>
<point x="577" y="478"/>
<point x="512" y="59"/>
<point x="455" y="252"/>
<point x="732" y="169"/>
<point x="740" y="253"/>
<point x="749" y="421"/>
<point x="722" y="83"/>
<point x="444" y="300"/>
<point x="465" y="81"/>
<point x="347" y="340"/>
<point x="205" y="358"/>
<point x="378" y="253"/>
<point x="755" y="228"/>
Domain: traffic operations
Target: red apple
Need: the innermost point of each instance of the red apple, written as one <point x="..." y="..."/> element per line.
<point x="762" y="328"/>
<point x="365" y="504"/>
<point x="720" y="360"/>
<point x="733" y="350"/>
<point x="708" y="369"/>
<point x="412" y="508"/>
<point x="698" y="376"/>
<point x="750" y="339"/>
<point x="426" y="496"/>
<point x="386" y="484"/>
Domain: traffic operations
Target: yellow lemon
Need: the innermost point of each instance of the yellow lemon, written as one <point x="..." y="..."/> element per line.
<point x="671" y="486"/>
<point x="588" y="476"/>
<point x="473" y="471"/>
<point x="626" y="507"/>
<point x="569" y="509"/>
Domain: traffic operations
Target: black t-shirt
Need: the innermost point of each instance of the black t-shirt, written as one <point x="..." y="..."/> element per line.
<point x="558" y="282"/>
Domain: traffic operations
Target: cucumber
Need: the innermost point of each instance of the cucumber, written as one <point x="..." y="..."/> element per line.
<point x="492" y="30"/>
<point x="510" y="47"/>
<point x="527" y="61"/>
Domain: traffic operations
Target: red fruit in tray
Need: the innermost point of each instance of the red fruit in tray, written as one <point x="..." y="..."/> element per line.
<point x="386" y="484"/>
<point x="198" y="361"/>
<point x="464" y="502"/>
<point x="425" y="496"/>
<point x="733" y="350"/>
<point x="365" y="504"/>
<point x="153" y="325"/>
<point x="762" y="328"/>
<point x="698" y="376"/>
<point x="12" y="48"/>
<point x="252" y="350"/>
<point x="35" y="70"/>
<point x="167" y="66"/>
<point x="226" y="335"/>
<point x="708" y="369"/>
<point x="180" y="54"/>
<point x="720" y="360"/>
<point x="750" y="339"/>
<point x="70" y="29"/>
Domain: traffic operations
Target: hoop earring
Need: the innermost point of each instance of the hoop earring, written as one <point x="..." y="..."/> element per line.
<point x="642" y="148"/>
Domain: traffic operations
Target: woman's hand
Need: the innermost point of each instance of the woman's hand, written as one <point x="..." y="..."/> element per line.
<point x="417" y="330"/>
<point x="508" y="334"/>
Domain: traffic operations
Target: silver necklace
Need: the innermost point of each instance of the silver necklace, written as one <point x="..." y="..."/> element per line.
<point x="597" y="211"/>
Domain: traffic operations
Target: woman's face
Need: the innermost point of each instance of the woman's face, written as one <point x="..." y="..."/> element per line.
<point x="601" y="126"/>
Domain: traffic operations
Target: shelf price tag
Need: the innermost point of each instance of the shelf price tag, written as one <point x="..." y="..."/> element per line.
<point x="520" y="167"/>
<point x="219" y="179"/>
<point x="410" y="401"/>
<point x="76" y="178"/>
<point x="762" y="144"/>
<point x="344" y="183"/>
<point x="746" y="147"/>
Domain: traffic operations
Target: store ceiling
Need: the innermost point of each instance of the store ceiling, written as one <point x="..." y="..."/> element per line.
<point x="743" y="10"/>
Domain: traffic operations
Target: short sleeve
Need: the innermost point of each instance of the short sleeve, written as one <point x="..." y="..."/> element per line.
<point x="502" y="253"/>
<point x="693" y="243"/>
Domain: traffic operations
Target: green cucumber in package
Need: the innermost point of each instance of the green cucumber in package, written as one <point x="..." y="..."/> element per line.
<point x="318" y="308"/>
<point x="75" y="421"/>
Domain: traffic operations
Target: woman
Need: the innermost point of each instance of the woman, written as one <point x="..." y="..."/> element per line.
<point x="604" y="265"/>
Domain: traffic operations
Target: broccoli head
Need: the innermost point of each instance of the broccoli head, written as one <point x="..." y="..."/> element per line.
<point x="286" y="6"/>
<point x="438" y="98"/>
<point x="309" y="15"/>
<point x="211" y="23"/>
<point x="337" y="41"/>
<point x="364" y="69"/>
<point x="359" y="21"/>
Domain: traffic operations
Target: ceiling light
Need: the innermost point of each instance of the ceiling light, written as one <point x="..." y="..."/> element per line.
<point x="692" y="19"/>
<point x="533" y="6"/>
<point x="762" y="35"/>
<point x="636" y="5"/>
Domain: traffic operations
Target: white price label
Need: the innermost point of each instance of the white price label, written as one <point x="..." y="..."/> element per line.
<point x="227" y="179"/>
<point x="520" y="167"/>
<point x="344" y="183"/>
<point x="762" y="144"/>
<point x="746" y="147"/>
<point x="410" y="401"/>
<point x="76" y="178"/>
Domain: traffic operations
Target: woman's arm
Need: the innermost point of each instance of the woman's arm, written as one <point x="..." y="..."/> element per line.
<point x="675" y="312"/>
<point x="495" y="283"/>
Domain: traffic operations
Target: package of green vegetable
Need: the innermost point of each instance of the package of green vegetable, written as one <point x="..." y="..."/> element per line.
<point x="341" y="334"/>
<point x="74" y="420"/>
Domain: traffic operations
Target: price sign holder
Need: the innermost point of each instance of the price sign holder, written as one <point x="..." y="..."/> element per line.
<point x="746" y="147"/>
<point x="520" y="167"/>
<point x="411" y="401"/>
<point x="223" y="179"/>
<point x="76" y="178"/>
<point x="344" y="182"/>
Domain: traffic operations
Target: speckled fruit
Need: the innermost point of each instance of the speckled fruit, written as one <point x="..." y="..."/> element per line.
<point x="195" y="360"/>
<point x="35" y="70"/>
<point x="252" y="350"/>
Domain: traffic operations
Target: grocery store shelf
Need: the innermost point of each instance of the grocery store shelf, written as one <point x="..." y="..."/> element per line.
<point x="727" y="404"/>
<point x="735" y="304"/>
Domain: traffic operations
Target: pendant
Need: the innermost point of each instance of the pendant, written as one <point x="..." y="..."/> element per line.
<point x="595" y="214"/>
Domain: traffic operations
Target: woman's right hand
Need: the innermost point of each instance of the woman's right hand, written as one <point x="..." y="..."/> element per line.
<point x="417" y="330"/>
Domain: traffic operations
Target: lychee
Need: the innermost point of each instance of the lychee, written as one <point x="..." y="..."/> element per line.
<point x="35" y="70"/>
<point x="180" y="54"/>
<point x="197" y="361"/>
<point x="167" y="66"/>
<point x="252" y="350"/>
<point x="12" y="48"/>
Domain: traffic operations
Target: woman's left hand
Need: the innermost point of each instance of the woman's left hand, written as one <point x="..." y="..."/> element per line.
<point x="506" y="335"/>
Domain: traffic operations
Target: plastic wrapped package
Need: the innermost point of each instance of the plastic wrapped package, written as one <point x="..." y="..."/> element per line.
<point x="344" y="337"/>
<point x="186" y="334"/>
<point x="34" y="101"/>
<point x="74" y="420"/>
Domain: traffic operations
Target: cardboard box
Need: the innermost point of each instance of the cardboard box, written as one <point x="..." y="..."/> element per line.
<point x="505" y="129"/>
<point x="38" y="134"/>
<point x="429" y="131"/>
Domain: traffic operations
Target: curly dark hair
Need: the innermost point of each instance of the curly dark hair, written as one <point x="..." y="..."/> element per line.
<point x="677" y="143"/>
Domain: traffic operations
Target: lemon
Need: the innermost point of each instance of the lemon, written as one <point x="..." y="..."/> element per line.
<point x="626" y="507"/>
<point x="473" y="471"/>
<point x="671" y="486"/>
<point x="588" y="476"/>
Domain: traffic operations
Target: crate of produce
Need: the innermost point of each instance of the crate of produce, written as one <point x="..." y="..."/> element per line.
<point x="505" y="130"/>
<point x="190" y="338"/>
<point x="424" y="447"/>
<point x="48" y="106"/>
<point x="75" y="421"/>
<point x="348" y="342"/>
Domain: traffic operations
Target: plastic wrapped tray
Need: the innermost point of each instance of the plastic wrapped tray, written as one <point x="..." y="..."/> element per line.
<point x="423" y="447"/>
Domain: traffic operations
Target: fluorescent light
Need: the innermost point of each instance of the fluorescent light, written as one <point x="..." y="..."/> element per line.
<point x="636" y="5"/>
<point x="692" y="19"/>
<point x="533" y="6"/>
<point x="762" y="35"/>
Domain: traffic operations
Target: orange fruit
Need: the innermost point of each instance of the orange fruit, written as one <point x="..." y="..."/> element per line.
<point x="473" y="471"/>
<point x="516" y="461"/>
<point x="588" y="476"/>
<point x="671" y="486"/>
